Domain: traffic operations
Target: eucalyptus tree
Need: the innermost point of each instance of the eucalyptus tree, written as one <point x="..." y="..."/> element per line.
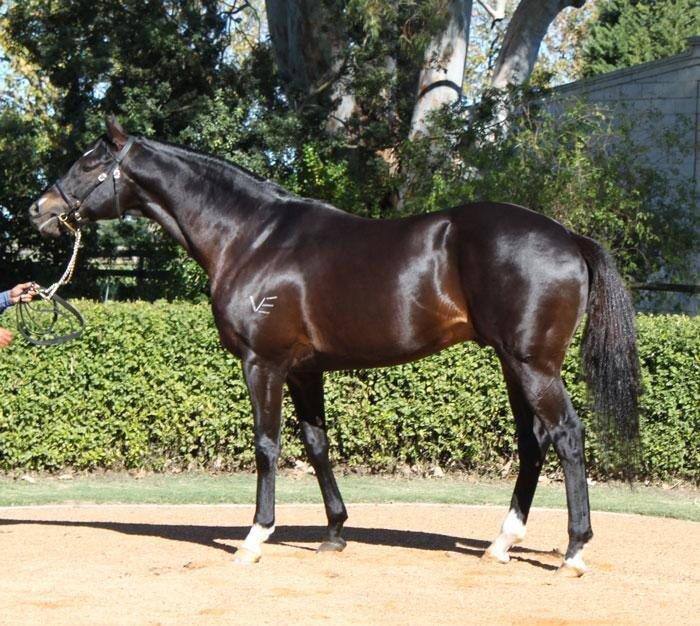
<point x="323" y="49"/>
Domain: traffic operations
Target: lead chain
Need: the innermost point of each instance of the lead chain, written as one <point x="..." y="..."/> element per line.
<point x="49" y="292"/>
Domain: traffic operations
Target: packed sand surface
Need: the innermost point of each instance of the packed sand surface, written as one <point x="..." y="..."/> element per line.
<point x="404" y="564"/>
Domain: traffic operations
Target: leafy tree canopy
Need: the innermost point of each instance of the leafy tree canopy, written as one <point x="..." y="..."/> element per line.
<point x="628" y="32"/>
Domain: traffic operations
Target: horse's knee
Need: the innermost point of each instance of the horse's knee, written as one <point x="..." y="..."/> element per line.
<point x="315" y="442"/>
<point x="267" y="452"/>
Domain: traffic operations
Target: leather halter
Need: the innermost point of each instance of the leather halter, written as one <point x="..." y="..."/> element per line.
<point x="74" y="205"/>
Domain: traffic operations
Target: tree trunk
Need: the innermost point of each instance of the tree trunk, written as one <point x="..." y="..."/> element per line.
<point x="524" y="35"/>
<point x="440" y="80"/>
<point x="310" y="46"/>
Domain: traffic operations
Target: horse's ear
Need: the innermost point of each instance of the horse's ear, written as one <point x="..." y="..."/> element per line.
<point x="115" y="133"/>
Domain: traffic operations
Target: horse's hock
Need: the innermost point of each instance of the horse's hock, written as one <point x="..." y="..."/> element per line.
<point x="409" y="564"/>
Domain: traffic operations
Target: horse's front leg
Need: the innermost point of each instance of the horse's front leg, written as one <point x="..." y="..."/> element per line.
<point x="307" y="394"/>
<point x="265" y="387"/>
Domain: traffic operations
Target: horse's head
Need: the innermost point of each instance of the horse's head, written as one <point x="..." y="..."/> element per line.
<point x="94" y="188"/>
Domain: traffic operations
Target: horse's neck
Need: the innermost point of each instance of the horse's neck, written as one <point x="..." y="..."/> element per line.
<point x="206" y="209"/>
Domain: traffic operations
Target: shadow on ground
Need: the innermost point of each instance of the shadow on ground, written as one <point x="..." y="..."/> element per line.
<point x="215" y="536"/>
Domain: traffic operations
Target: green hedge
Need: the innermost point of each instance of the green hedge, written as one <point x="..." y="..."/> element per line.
<point x="149" y="387"/>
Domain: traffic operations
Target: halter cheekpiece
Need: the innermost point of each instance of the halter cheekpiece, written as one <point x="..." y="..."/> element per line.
<point x="74" y="205"/>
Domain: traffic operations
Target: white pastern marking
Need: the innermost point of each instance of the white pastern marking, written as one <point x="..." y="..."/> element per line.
<point x="265" y="303"/>
<point x="577" y="561"/>
<point x="512" y="532"/>
<point x="257" y="535"/>
<point x="513" y="526"/>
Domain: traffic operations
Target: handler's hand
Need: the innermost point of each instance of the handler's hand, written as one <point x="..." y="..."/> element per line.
<point x="23" y="292"/>
<point x="5" y="338"/>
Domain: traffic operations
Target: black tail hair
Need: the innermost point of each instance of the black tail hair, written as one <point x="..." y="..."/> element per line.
<point x="609" y="355"/>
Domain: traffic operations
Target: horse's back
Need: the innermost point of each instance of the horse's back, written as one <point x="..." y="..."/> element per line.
<point x="497" y="272"/>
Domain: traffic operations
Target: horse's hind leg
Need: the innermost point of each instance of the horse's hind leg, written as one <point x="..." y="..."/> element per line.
<point x="545" y="393"/>
<point x="566" y="431"/>
<point x="307" y="394"/>
<point x="533" y="442"/>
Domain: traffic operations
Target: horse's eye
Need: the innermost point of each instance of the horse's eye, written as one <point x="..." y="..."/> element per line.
<point x="90" y="160"/>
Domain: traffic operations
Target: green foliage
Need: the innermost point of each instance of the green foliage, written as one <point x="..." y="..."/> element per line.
<point x="161" y="66"/>
<point x="574" y="162"/>
<point x="342" y="180"/>
<point x="628" y="32"/>
<point x="185" y="279"/>
<point x="149" y="386"/>
<point x="23" y="149"/>
<point x="671" y="405"/>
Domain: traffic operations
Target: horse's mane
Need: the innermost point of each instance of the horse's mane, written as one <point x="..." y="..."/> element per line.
<point x="223" y="164"/>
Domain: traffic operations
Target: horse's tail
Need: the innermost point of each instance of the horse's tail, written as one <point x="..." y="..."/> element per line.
<point x="609" y="353"/>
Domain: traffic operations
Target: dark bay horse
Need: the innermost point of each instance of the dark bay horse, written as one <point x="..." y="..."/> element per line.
<point x="299" y="287"/>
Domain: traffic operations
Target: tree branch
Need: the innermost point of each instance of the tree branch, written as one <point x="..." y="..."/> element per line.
<point x="523" y="39"/>
<point x="310" y="46"/>
<point x="496" y="14"/>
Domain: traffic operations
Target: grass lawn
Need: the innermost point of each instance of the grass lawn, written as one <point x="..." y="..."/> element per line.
<point x="292" y="488"/>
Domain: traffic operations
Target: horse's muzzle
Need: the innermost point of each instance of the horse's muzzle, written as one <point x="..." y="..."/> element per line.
<point x="46" y="222"/>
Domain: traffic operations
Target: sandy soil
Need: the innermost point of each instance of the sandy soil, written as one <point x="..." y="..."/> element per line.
<point x="404" y="564"/>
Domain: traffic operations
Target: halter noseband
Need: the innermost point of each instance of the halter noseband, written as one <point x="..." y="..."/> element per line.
<point x="74" y="206"/>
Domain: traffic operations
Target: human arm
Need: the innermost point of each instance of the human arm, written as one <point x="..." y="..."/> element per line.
<point x="23" y="292"/>
<point x="5" y="300"/>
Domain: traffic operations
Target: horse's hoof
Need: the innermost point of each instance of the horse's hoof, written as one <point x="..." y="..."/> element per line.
<point x="492" y="555"/>
<point x="337" y="545"/>
<point x="568" y="569"/>
<point x="246" y="557"/>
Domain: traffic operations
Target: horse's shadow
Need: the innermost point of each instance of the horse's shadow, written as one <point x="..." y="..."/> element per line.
<point x="218" y="536"/>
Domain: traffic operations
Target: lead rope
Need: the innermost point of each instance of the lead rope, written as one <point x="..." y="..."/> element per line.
<point x="50" y="292"/>
<point x="33" y="324"/>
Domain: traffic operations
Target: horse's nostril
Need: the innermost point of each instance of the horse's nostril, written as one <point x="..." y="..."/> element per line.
<point x="34" y="209"/>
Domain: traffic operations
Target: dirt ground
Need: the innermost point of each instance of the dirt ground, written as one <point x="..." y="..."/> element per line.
<point x="404" y="564"/>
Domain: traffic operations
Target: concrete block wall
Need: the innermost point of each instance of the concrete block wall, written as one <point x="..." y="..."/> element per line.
<point x="667" y="90"/>
<point x="663" y="95"/>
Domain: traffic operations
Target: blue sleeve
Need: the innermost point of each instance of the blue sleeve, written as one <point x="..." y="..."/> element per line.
<point x="5" y="301"/>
